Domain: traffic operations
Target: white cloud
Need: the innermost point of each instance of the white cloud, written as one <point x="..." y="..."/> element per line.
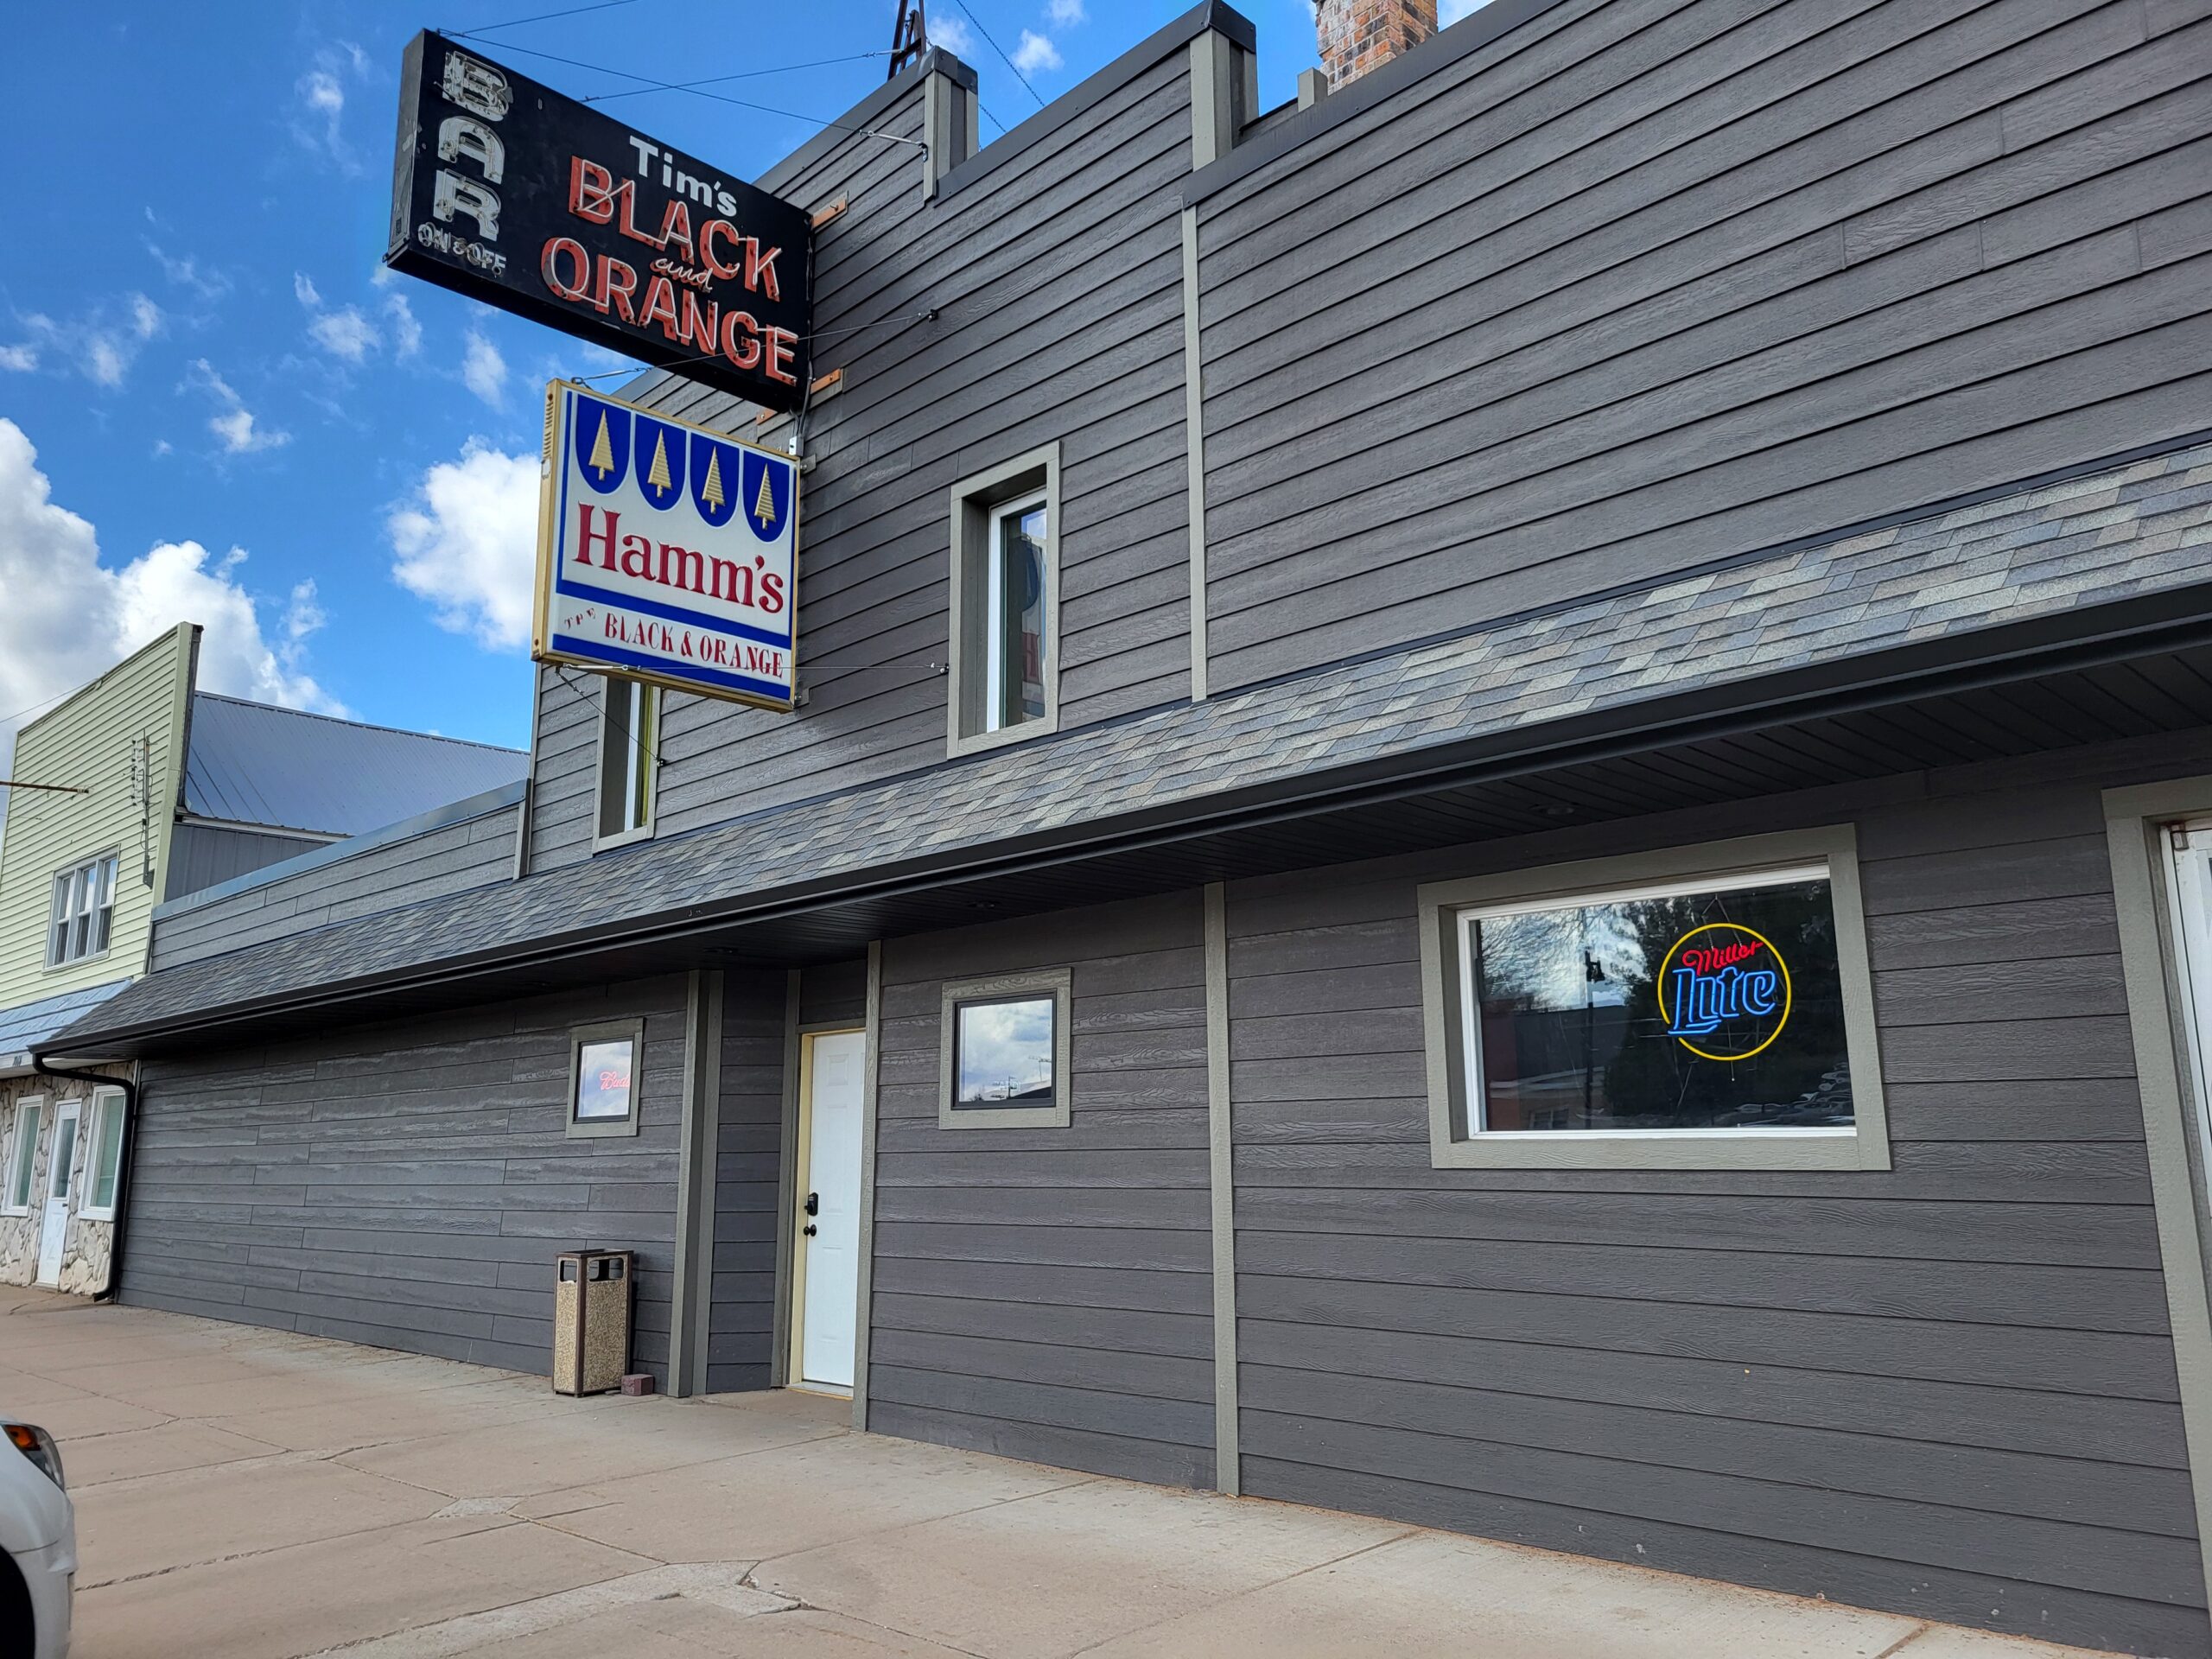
<point x="467" y="542"/>
<point x="304" y="290"/>
<point x="1035" y="53"/>
<point x="22" y="359"/>
<point x="103" y="343"/>
<point x="406" y="333"/>
<point x="69" y="618"/>
<point x="234" y="424"/>
<point x="187" y="272"/>
<point x="953" y="35"/>
<point x="319" y="91"/>
<point x="1066" y="13"/>
<point x="318" y="123"/>
<point x="344" y="332"/>
<point x="483" y="370"/>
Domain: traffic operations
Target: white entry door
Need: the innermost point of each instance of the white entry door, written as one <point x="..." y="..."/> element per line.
<point x="61" y="1170"/>
<point x="830" y="1218"/>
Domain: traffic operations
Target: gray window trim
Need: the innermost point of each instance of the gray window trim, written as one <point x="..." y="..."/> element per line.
<point x="606" y="1031"/>
<point x="1865" y="1147"/>
<point x="645" y="831"/>
<point x="1059" y="983"/>
<point x="2141" y="899"/>
<point x="968" y="510"/>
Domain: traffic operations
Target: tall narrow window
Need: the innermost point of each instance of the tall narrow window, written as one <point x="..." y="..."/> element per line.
<point x="629" y="747"/>
<point x="1003" y="683"/>
<point x="1014" y="618"/>
<point x="106" y="1174"/>
<point x="23" y="1152"/>
<point x="83" y="910"/>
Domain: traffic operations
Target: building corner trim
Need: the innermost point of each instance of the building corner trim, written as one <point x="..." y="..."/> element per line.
<point x="2131" y="822"/>
<point x="863" y="1299"/>
<point x="694" y="1184"/>
<point x="779" y="1352"/>
<point x="1195" y="453"/>
<point x="1222" y="1190"/>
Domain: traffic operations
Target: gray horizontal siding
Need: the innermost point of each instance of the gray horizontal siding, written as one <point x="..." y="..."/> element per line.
<point x="406" y="1186"/>
<point x="1078" y="225"/>
<point x="1946" y="1388"/>
<point x="1658" y="281"/>
<point x="1044" y="1293"/>
<point x="749" y="1154"/>
<point x="454" y="858"/>
<point x="201" y="855"/>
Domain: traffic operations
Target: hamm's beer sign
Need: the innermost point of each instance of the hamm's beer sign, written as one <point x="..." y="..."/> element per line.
<point x="667" y="551"/>
<point x="513" y="194"/>
<point x="1724" y="991"/>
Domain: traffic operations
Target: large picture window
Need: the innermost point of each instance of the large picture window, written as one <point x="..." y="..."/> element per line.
<point x="603" y="1080"/>
<point x="1689" y="1018"/>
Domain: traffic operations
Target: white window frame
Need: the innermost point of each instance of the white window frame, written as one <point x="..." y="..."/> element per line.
<point x="1056" y="983"/>
<point x="978" y="507"/>
<point x="1448" y="910"/>
<point x="641" y="764"/>
<point x="66" y="880"/>
<point x="21" y="1159"/>
<point x="104" y="1101"/>
<point x="994" y="601"/>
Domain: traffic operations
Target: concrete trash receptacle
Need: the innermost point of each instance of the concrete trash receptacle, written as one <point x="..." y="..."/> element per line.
<point x="591" y="1320"/>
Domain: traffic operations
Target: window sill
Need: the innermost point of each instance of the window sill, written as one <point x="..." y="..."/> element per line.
<point x="94" y="1214"/>
<point x="1709" y="1149"/>
<point x="1002" y="1117"/>
<point x="627" y="838"/>
<point x="79" y="962"/>
<point x="596" y="1128"/>
<point x="976" y="742"/>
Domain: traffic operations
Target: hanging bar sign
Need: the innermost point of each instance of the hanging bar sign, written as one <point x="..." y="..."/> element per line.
<point x="666" y="551"/>
<point x="507" y="191"/>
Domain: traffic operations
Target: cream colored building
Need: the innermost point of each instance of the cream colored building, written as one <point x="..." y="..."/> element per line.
<point x="136" y="790"/>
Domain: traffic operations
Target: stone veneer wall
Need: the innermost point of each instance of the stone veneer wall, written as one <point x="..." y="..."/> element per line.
<point x="85" y="1249"/>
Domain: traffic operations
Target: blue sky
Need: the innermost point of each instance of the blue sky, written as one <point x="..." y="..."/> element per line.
<point x="213" y="404"/>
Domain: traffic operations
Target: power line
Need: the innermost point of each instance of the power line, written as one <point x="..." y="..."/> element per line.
<point x="1003" y="59"/>
<point x="544" y="17"/>
<point x="719" y="98"/>
<point x="716" y="80"/>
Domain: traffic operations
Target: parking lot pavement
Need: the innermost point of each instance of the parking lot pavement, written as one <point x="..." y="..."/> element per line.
<point x="245" y="1493"/>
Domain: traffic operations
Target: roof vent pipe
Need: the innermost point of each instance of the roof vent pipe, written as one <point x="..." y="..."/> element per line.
<point x="1358" y="35"/>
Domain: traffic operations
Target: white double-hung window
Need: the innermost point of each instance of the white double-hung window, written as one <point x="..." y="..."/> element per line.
<point x="83" y="910"/>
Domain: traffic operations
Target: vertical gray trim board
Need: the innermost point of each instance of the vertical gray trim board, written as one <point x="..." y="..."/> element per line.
<point x="863" y="1311"/>
<point x="1194" y="429"/>
<point x="1222" y="1184"/>
<point x="2130" y="817"/>
<point x="780" y="1357"/>
<point x="694" y="1184"/>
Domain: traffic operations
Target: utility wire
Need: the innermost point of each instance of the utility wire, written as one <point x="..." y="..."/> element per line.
<point x="543" y="16"/>
<point x="994" y="47"/>
<point x="716" y="80"/>
<point x="720" y="97"/>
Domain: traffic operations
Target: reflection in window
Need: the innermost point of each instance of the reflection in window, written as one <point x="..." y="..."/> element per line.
<point x="603" y="1080"/>
<point x="1714" y="1007"/>
<point x="1002" y="1054"/>
<point x="1014" y="669"/>
<point x="629" y="746"/>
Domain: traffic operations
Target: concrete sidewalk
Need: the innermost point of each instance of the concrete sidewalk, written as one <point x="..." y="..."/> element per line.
<point x="245" y="1493"/>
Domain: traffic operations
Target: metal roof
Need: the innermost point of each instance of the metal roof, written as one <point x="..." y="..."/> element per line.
<point x="2111" y="557"/>
<point x="28" y="1024"/>
<point x="253" y="764"/>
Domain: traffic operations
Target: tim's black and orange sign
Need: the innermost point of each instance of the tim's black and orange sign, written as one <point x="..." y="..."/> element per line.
<point x="511" y="194"/>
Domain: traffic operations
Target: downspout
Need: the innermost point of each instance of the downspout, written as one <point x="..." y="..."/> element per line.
<point x="130" y="1087"/>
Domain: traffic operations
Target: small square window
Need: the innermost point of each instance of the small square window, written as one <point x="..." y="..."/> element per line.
<point x="603" y="1080"/>
<point x="1005" y="1046"/>
<point x="629" y="761"/>
<point x="83" y="914"/>
<point x="1645" y="1012"/>
<point x="1003" y="682"/>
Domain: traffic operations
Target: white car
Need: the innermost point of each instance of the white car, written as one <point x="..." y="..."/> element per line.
<point x="38" y="1543"/>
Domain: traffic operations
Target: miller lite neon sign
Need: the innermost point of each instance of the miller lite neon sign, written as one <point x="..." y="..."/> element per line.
<point x="1724" y="991"/>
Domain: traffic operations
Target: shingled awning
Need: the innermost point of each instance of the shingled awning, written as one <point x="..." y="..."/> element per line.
<point x="2101" y="566"/>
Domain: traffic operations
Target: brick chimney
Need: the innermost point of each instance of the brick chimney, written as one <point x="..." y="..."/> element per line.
<point x="1357" y="36"/>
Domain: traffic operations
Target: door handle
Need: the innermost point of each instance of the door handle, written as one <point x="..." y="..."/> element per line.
<point x="810" y="1230"/>
<point x="814" y="1204"/>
